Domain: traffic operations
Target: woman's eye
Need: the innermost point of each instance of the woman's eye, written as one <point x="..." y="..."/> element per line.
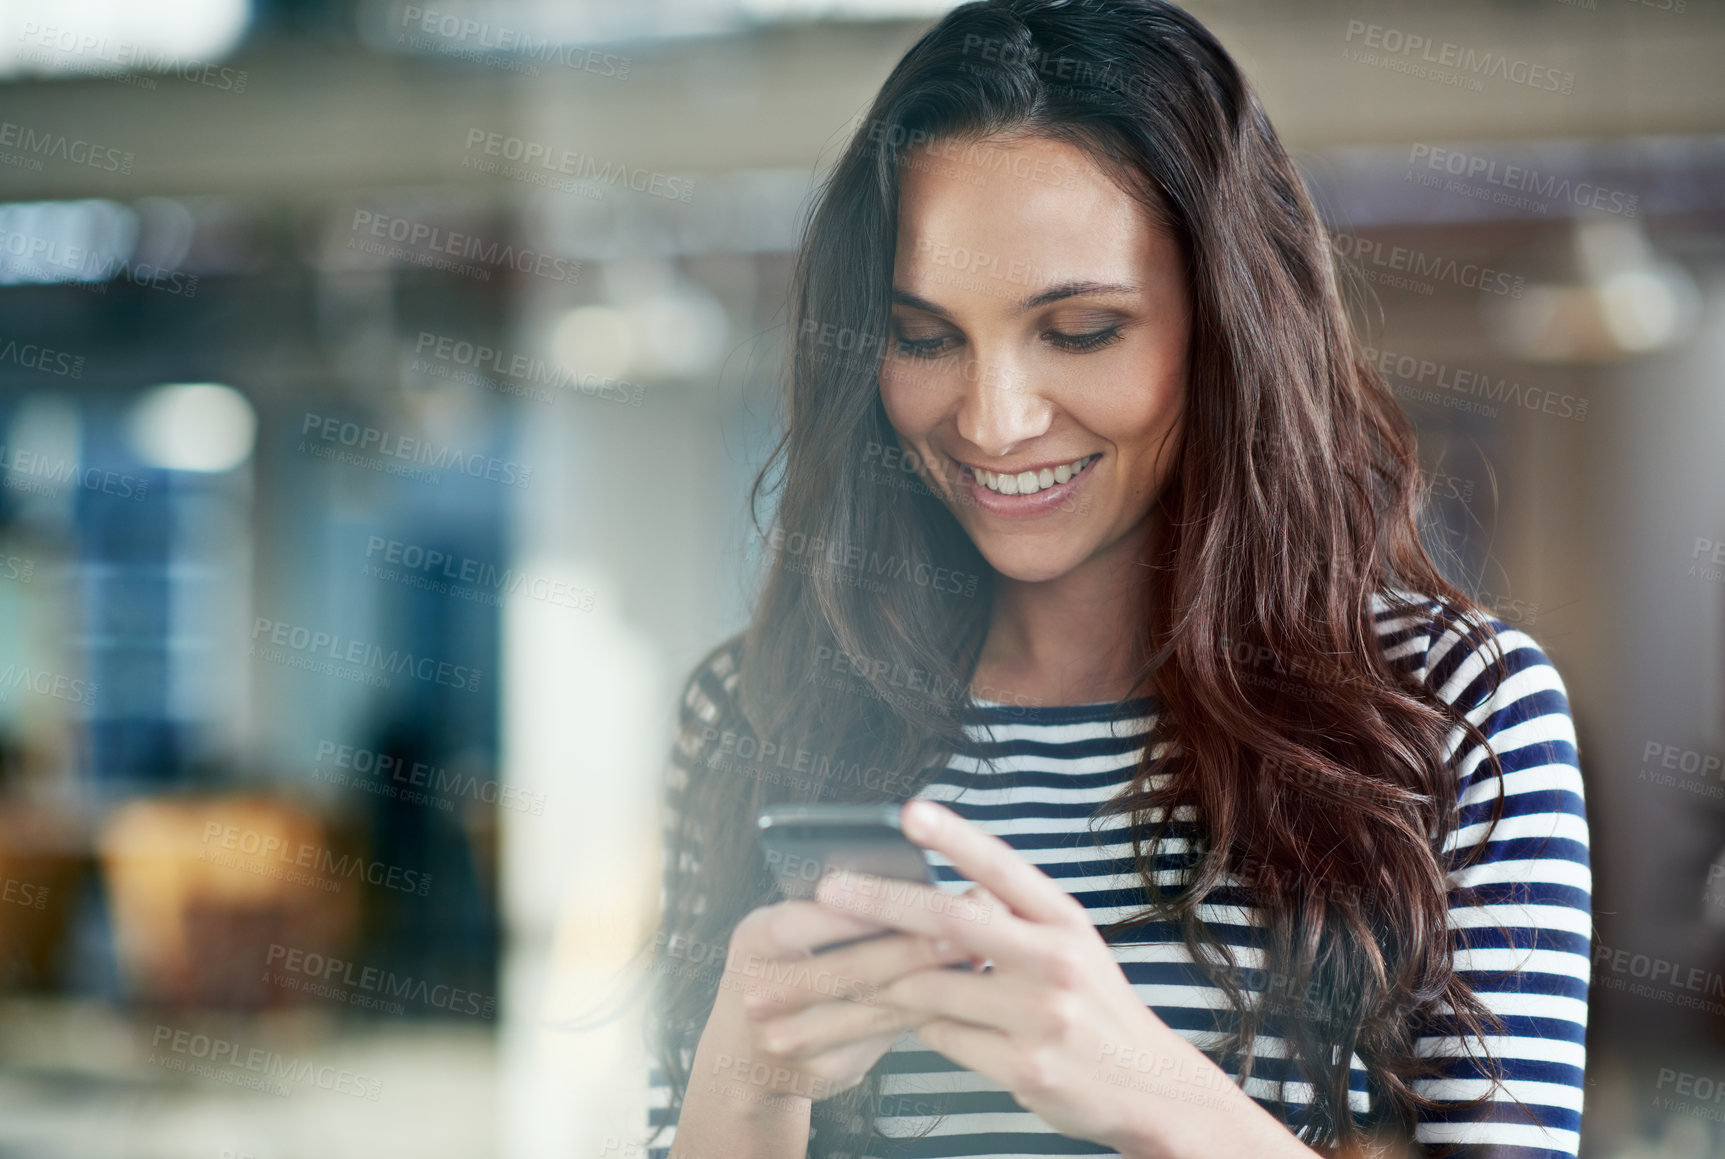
<point x="1092" y="340"/>
<point x="921" y="347"/>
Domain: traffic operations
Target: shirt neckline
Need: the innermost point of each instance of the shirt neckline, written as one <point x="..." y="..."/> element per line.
<point x="1061" y="713"/>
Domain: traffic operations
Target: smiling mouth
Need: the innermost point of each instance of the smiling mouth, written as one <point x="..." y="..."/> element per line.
<point x="1030" y="482"/>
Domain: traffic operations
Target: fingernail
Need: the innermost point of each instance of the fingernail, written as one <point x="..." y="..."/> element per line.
<point x="919" y="815"/>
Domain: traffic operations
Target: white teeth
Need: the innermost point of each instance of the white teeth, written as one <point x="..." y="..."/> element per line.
<point x="1030" y="482"/>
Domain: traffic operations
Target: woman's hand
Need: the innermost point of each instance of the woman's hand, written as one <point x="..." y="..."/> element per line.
<point x="1054" y="1020"/>
<point x="791" y="1023"/>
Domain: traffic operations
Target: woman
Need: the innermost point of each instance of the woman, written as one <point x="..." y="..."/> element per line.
<point x="1273" y="844"/>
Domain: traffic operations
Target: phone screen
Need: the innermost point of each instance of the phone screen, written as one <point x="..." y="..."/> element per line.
<point x="804" y="842"/>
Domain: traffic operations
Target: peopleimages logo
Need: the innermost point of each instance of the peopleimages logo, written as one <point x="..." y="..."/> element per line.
<point x="73" y="43"/>
<point x="787" y="764"/>
<point x="59" y="146"/>
<point x="464" y="577"/>
<point x="476" y="357"/>
<point x="1520" y="179"/>
<point x="1617" y="968"/>
<point x="38" y="473"/>
<point x="530" y="155"/>
<point x="24" y="893"/>
<point x="371" y="986"/>
<point x="316" y="645"/>
<point x="364" y="439"/>
<point x="460" y="245"/>
<point x="442" y="783"/>
<point x="35" y="356"/>
<point x="1394" y="265"/>
<point x="1412" y="53"/>
<point x="1459" y="381"/>
<point x="304" y="855"/>
<point x="851" y="564"/>
<point x="268" y="1064"/>
<point x="45" y="683"/>
<point x="50" y="258"/>
<point x="1714" y="550"/>
<point x="467" y="37"/>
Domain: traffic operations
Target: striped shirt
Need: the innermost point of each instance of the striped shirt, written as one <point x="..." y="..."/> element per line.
<point x="1519" y="910"/>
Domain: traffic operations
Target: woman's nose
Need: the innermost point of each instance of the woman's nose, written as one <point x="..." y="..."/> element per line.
<point x="999" y="411"/>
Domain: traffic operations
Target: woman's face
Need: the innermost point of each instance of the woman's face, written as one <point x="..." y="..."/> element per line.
<point x="1040" y="321"/>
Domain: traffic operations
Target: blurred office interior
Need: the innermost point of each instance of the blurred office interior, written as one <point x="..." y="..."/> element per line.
<point x="371" y="486"/>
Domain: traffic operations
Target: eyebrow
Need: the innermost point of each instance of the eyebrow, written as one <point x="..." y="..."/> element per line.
<point x="1055" y="293"/>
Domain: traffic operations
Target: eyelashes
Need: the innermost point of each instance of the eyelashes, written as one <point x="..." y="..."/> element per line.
<point x="1072" y="343"/>
<point x="920" y="347"/>
<point x="1079" y="343"/>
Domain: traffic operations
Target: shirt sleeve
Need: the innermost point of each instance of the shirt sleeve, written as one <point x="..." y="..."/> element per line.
<point x="681" y="839"/>
<point x="1520" y="906"/>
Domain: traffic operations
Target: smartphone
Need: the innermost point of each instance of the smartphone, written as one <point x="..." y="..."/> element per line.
<point x="804" y="842"/>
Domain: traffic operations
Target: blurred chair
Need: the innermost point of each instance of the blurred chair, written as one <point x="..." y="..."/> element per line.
<point x="42" y="864"/>
<point x="200" y="889"/>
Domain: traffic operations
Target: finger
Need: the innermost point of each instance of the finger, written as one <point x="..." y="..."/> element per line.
<point x="828" y="1026"/>
<point x="856" y="973"/>
<point x="794" y="929"/>
<point x="974" y="919"/>
<point x="989" y="862"/>
<point x="848" y="1065"/>
<point x="996" y="1001"/>
<point x="973" y="1047"/>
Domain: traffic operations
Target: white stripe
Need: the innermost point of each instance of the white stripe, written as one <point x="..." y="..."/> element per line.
<point x="1534" y="779"/>
<point x="1004" y="763"/>
<point x="1518" y="826"/>
<point x="1549" y="871"/>
<point x="1060" y="734"/>
<point x="1506" y="1047"/>
<point x="1565" y="918"/>
<point x="1559" y="962"/>
<point x="985" y="795"/>
<point x="1530" y="1091"/>
<point x="970" y="1123"/>
<point x="1033" y="825"/>
<point x="1548" y="728"/>
<point x="1553" y="1007"/>
<point x="1500" y="1134"/>
<point x="1249" y="957"/>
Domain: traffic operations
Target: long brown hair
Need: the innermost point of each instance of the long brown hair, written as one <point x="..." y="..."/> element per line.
<point x="1316" y="766"/>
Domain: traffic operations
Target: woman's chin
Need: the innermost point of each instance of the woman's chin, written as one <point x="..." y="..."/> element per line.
<point x="1025" y="566"/>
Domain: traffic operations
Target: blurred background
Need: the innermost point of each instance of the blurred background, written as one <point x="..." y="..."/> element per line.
<point x="379" y="388"/>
